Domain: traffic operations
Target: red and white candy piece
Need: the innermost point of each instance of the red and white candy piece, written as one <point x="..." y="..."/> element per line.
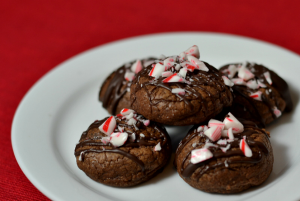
<point x="136" y="67"/>
<point x="238" y="81"/>
<point x="224" y="133"/>
<point x="169" y="62"/>
<point x="222" y="142"/>
<point x="121" y="129"/>
<point x="108" y="126"/>
<point x="277" y="112"/>
<point x="105" y="140"/>
<point x="118" y="139"/>
<point x="230" y="134"/>
<point x="126" y="111"/>
<point x="232" y="122"/>
<point x="166" y="74"/>
<point x="157" y="70"/>
<point x="178" y="91"/>
<point x="199" y="155"/>
<point x="182" y="56"/>
<point x="214" y="122"/>
<point x="129" y="76"/>
<point x="245" y="147"/>
<point x="214" y="133"/>
<point x="146" y="122"/>
<point x="197" y="63"/>
<point x="157" y="147"/>
<point x="268" y="77"/>
<point x="231" y="70"/>
<point x="183" y="72"/>
<point x="193" y="51"/>
<point x="245" y="73"/>
<point x="202" y="128"/>
<point x="133" y="137"/>
<point x="256" y="95"/>
<point x="224" y="149"/>
<point x="227" y="81"/>
<point x="252" y="84"/>
<point x="173" y="78"/>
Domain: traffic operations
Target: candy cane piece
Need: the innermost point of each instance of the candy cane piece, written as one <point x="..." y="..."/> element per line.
<point x="118" y="139"/>
<point x="231" y="122"/>
<point x="108" y="126"/>
<point x="136" y="67"/>
<point x="245" y="147"/>
<point x="213" y="133"/>
<point x="199" y="155"/>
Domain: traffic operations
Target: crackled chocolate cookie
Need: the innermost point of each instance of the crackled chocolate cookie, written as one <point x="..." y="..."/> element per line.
<point x="260" y="95"/>
<point x="123" y="150"/>
<point x="114" y="93"/>
<point x="179" y="90"/>
<point x="225" y="157"/>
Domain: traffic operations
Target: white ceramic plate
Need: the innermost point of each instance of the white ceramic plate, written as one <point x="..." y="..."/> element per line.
<point x="53" y="114"/>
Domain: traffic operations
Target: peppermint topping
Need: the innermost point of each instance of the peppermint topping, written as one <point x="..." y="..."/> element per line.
<point x="277" y="112"/>
<point x="227" y="81"/>
<point x="256" y="95"/>
<point x="245" y="73"/>
<point x="231" y="122"/>
<point x="178" y="91"/>
<point x="268" y="77"/>
<point x="108" y="126"/>
<point x="199" y="155"/>
<point x="136" y="67"/>
<point x="245" y="147"/>
<point x="175" y="68"/>
<point x="118" y="139"/>
<point x="213" y="133"/>
<point x="157" y="147"/>
<point x="126" y="111"/>
<point x="129" y="76"/>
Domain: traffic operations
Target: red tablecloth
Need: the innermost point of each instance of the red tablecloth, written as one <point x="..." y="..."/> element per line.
<point x="35" y="36"/>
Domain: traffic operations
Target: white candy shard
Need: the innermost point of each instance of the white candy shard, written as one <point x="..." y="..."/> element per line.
<point x="245" y="147"/>
<point x="178" y="66"/>
<point x="252" y="84"/>
<point x="224" y="149"/>
<point x="166" y="74"/>
<point x="277" y="112"/>
<point x="131" y="121"/>
<point x="213" y="133"/>
<point x="105" y="140"/>
<point x="222" y="142"/>
<point x="268" y="77"/>
<point x="133" y="137"/>
<point x="157" y="147"/>
<point x="169" y="62"/>
<point x="209" y="144"/>
<point x="126" y="111"/>
<point x="157" y="70"/>
<point x="214" y="122"/>
<point x="197" y="63"/>
<point x="262" y="85"/>
<point x="232" y="122"/>
<point x="238" y="81"/>
<point x="129" y="116"/>
<point x="121" y="129"/>
<point x="200" y="128"/>
<point x="173" y="78"/>
<point x="182" y="56"/>
<point x="136" y="67"/>
<point x="227" y="81"/>
<point x="142" y="135"/>
<point x="194" y="51"/>
<point x="108" y="126"/>
<point x="230" y="134"/>
<point x="178" y="91"/>
<point x="183" y="72"/>
<point x="245" y="73"/>
<point x="231" y="70"/>
<point x="199" y="155"/>
<point x="256" y="95"/>
<point x="129" y="76"/>
<point x="205" y="128"/>
<point x="146" y="122"/>
<point x="118" y="139"/>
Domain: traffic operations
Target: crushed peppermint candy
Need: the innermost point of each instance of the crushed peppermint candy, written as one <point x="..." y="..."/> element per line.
<point x="108" y="126"/>
<point x="256" y="95"/>
<point x="178" y="91"/>
<point x="268" y="77"/>
<point x="157" y="147"/>
<point x="118" y="139"/>
<point x="199" y="155"/>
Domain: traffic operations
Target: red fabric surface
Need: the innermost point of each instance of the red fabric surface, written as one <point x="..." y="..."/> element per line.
<point x="35" y="36"/>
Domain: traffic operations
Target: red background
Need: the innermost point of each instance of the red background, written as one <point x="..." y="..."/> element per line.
<point x="35" y="36"/>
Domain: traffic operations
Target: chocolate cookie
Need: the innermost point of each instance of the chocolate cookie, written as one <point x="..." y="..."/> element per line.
<point x="114" y="92"/>
<point x="225" y="157"/>
<point x="260" y="95"/>
<point x="123" y="150"/>
<point x="180" y="90"/>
